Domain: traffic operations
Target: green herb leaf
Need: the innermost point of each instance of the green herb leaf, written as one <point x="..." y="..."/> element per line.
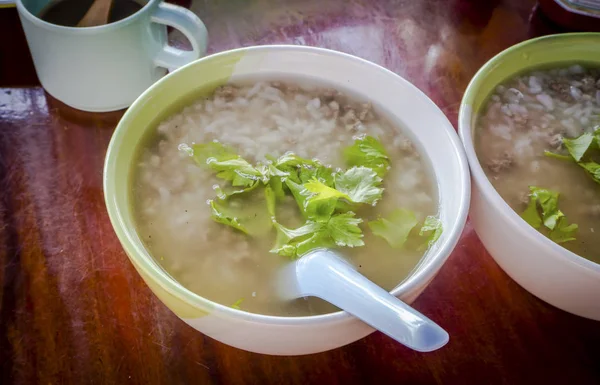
<point x="229" y="166"/>
<point x="238" y="171"/>
<point x="531" y="214"/>
<point x="321" y="191"/>
<point x="293" y="243"/>
<point x="577" y="147"/>
<point x="563" y="232"/>
<point x="396" y="228"/>
<point x="326" y="198"/>
<point x="300" y="195"/>
<point x="359" y="185"/>
<point x="224" y="193"/>
<point x="318" y="204"/>
<point x="548" y="200"/>
<point x="320" y="210"/>
<point x="593" y="169"/>
<point x="315" y="241"/>
<point x="320" y="173"/>
<point x="285" y="235"/>
<point x="432" y="225"/>
<point x="292" y="160"/>
<point x="558" y="156"/>
<point x="344" y="230"/>
<point x="339" y="230"/>
<point x="215" y="150"/>
<point x="219" y="215"/>
<point x="277" y="186"/>
<point x="552" y="218"/>
<point x="368" y="152"/>
<point x="292" y="165"/>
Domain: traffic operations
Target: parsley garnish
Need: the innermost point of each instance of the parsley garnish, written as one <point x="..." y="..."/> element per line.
<point x="396" y="228"/>
<point x="368" y="152"/>
<point x="582" y="150"/>
<point x="555" y="222"/>
<point x="326" y="198"/>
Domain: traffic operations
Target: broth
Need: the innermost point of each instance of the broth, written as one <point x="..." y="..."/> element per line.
<point x="170" y="191"/>
<point x="530" y="114"/>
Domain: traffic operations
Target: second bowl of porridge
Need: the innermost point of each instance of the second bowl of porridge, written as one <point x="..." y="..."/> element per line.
<point x="530" y="123"/>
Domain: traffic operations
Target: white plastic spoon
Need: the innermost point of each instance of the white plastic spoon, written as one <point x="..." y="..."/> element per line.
<point x="322" y="273"/>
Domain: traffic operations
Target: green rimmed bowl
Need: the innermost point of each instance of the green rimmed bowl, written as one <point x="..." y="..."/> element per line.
<point x="547" y="270"/>
<point x="408" y="107"/>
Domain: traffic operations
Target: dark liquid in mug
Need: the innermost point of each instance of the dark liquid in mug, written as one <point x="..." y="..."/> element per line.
<point x="70" y="12"/>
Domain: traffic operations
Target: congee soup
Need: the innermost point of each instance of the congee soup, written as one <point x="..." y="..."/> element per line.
<point x="538" y="140"/>
<point x="239" y="183"/>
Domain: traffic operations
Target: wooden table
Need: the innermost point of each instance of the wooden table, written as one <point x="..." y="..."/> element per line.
<point x="74" y="311"/>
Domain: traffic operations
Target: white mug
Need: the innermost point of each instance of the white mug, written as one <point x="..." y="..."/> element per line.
<point x="106" y="68"/>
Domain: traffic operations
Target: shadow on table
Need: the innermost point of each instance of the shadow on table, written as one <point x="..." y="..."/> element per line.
<point x="101" y="120"/>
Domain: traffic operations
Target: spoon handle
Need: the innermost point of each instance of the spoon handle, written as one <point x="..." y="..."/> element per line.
<point x="325" y="275"/>
<point x="97" y="14"/>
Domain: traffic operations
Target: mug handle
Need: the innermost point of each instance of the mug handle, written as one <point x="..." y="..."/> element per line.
<point x="190" y="25"/>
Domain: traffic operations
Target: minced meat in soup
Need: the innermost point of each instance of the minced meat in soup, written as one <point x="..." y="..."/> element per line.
<point x="529" y="139"/>
<point x="261" y="122"/>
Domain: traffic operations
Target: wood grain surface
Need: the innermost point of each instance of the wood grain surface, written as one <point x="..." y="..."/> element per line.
<point x="74" y="311"/>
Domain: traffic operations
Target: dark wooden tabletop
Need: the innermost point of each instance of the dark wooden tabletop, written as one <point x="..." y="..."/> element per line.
<point x="74" y="311"/>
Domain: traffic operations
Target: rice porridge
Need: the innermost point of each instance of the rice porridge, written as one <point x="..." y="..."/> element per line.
<point x="259" y="121"/>
<point x="526" y="136"/>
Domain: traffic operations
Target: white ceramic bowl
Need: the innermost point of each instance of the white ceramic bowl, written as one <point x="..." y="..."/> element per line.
<point x="390" y="94"/>
<point x="547" y="270"/>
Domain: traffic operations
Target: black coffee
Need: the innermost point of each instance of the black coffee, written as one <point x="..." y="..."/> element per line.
<point x="70" y="12"/>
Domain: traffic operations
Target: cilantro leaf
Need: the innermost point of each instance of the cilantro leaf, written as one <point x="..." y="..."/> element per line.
<point x="321" y="173"/>
<point x="548" y="200"/>
<point x="552" y="218"/>
<point x="531" y="215"/>
<point x="344" y="230"/>
<point x="577" y="147"/>
<point x="300" y="195"/>
<point x="316" y="209"/>
<point x="321" y="191"/>
<point x="368" y="152"/>
<point x="315" y="241"/>
<point x="292" y="164"/>
<point x="224" y="193"/>
<point x="219" y="215"/>
<point x="320" y="210"/>
<point x="593" y="170"/>
<point x="338" y="230"/>
<point x="563" y="232"/>
<point x="327" y="199"/>
<point x="238" y="171"/>
<point x="293" y="243"/>
<point x="360" y="185"/>
<point x="215" y="150"/>
<point x="432" y="225"/>
<point x="229" y="166"/>
<point x="290" y="159"/>
<point x="277" y="185"/>
<point x="396" y="228"/>
<point x="269" y="170"/>
<point x="558" y="156"/>
<point x="285" y="235"/>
